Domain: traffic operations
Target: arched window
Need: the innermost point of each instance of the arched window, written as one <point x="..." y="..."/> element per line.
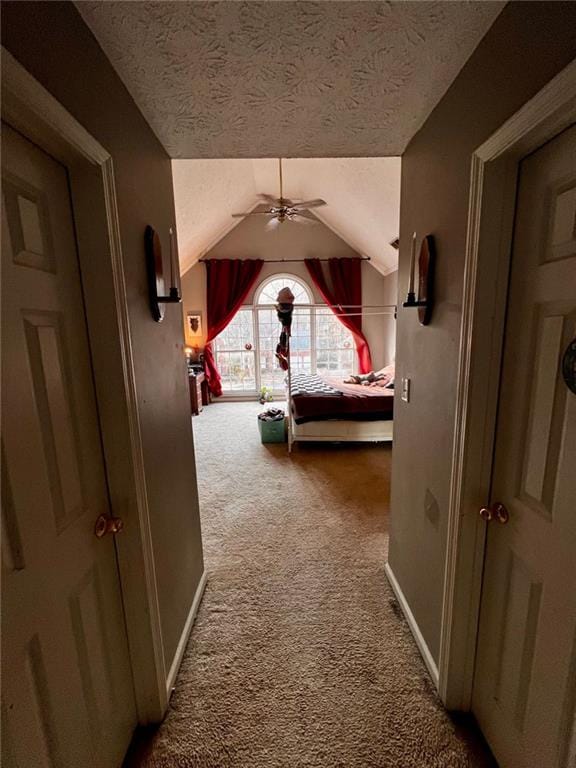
<point x="245" y="350"/>
<point x="267" y="292"/>
<point x="301" y="346"/>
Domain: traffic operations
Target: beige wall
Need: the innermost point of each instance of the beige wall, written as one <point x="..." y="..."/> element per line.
<point x="527" y="45"/>
<point x="52" y="42"/>
<point x="251" y="239"/>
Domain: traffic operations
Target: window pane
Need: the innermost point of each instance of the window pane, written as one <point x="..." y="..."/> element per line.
<point x="235" y="363"/>
<point x="237" y="333"/>
<point x="271" y="375"/>
<point x="301" y="342"/>
<point x="237" y="371"/>
<point x="336" y="351"/>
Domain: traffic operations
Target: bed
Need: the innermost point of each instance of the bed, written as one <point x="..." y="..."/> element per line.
<point x="324" y="408"/>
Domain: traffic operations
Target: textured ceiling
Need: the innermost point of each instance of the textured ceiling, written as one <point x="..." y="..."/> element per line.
<point x="363" y="197"/>
<point x="291" y="79"/>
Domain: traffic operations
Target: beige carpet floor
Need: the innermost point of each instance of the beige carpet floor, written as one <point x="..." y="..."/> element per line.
<point x="300" y="656"/>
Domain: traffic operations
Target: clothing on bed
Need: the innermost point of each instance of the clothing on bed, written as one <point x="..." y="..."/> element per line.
<point x="366" y="378"/>
<point x="382" y="378"/>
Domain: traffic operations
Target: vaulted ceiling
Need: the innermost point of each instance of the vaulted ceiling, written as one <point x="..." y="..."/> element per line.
<point x="287" y="79"/>
<point x="363" y="197"/>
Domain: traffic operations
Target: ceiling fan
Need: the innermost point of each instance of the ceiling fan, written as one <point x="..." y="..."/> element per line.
<point x="282" y="209"/>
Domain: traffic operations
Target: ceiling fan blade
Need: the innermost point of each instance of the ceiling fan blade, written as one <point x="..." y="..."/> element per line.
<point x="252" y="213"/>
<point x="306" y="215"/>
<point x="310" y="204"/>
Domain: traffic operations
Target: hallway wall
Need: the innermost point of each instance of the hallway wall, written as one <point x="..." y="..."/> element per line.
<point x="527" y="45"/>
<point x="52" y="42"/>
<point x="251" y="239"/>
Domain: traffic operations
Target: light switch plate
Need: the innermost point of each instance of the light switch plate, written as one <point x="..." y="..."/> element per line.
<point x="405" y="389"/>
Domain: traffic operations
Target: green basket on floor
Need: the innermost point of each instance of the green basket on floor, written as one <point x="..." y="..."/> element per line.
<point x="272" y="431"/>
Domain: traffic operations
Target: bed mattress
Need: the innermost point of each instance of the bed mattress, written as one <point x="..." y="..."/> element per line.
<point x="320" y="398"/>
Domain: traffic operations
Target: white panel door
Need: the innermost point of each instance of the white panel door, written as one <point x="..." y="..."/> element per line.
<point x="525" y="678"/>
<point x="67" y="693"/>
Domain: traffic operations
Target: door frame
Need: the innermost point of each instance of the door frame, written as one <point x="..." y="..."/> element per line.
<point x="492" y="198"/>
<point x="32" y="110"/>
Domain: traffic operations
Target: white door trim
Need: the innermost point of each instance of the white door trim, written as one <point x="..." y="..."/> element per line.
<point x="30" y="108"/>
<point x="490" y="225"/>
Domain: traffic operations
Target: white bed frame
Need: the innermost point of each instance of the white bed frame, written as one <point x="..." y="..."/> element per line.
<point x="338" y="430"/>
<point x="335" y="430"/>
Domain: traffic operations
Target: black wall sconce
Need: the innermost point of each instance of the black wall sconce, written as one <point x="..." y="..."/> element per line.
<point x="426" y="264"/>
<point x="155" y="271"/>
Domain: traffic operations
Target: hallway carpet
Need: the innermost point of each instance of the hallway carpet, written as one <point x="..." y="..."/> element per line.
<point x="300" y="656"/>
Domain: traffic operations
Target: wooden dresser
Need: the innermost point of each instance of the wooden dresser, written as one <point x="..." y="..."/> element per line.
<point x="197" y="383"/>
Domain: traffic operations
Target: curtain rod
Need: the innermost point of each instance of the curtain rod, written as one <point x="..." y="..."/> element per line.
<point x="340" y="306"/>
<point x="294" y="261"/>
<point x="370" y="314"/>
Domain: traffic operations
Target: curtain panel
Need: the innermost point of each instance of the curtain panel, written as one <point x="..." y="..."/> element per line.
<point x="346" y="279"/>
<point x="228" y="283"/>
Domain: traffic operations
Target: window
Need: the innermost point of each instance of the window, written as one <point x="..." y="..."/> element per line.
<point x="335" y="348"/>
<point x="271" y="375"/>
<point x="245" y="350"/>
<point x="234" y="361"/>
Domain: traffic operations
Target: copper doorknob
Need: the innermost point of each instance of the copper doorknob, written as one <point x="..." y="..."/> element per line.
<point x="106" y="525"/>
<point x="496" y="511"/>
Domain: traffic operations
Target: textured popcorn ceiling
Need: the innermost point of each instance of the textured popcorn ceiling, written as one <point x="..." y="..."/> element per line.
<point x="363" y="196"/>
<point x="292" y="79"/>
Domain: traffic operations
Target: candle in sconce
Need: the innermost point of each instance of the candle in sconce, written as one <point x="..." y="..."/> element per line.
<point x="174" y="267"/>
<point x="172" y="284"/>
<point x="412" y="265"/>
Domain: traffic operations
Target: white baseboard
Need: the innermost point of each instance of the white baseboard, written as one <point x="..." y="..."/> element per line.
<point x="414" y="628"/>
<point x="175" y="666"/>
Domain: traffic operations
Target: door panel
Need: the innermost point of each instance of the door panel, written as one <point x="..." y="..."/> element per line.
<point x="67" y="693"/>
<point x="525" y="668"/>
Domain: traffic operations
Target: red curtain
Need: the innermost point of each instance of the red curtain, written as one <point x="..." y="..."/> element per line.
<point x="228" y="284"/>
<point x="346" y="277"/>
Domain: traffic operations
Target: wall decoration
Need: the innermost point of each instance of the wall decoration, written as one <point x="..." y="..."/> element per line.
<point x="426" y="265"/>
<point x="194" y="322"/>
<point x="155" y="271"/>
<point x="569" y="366"/>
